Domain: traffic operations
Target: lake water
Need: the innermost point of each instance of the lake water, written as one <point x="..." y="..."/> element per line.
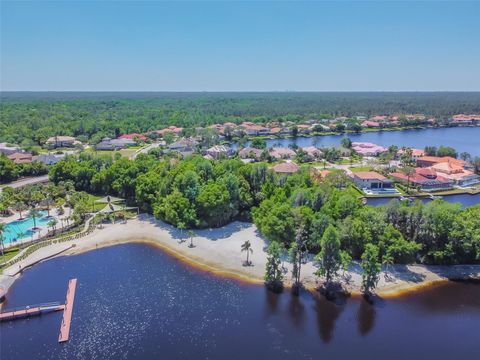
<point x="135" y="302"/>
<point x="464" y="199"/>
<point x="460" y="138"/>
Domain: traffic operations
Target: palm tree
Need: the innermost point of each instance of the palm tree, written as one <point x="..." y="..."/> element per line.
<point x="2" y="229"/>
<point x="191" y="234"/>
<point x="408" y="171"/>
<point x="53" y="224"/>
<point x="34" y="214"/>
<point x="47" y="202"/>
<point x="20" y="206"/>
<point x="247" y="246"/>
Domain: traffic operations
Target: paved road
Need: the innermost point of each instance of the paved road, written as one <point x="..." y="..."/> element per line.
<point x="27" y="181"/>
<point x="144" y="150"/>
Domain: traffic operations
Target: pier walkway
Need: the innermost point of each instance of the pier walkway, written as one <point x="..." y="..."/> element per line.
<point x="30" y="311"/>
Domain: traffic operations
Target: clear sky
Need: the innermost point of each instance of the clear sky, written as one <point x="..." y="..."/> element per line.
<point x="240" y="46"/>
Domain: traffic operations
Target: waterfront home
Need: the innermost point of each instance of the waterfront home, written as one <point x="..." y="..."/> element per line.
<point x="378" y="118"/>
<point x="456" y="173"/>
<point x="21" y="157"/>
<point x="276" y="131"/>
<point x="8" y="149"/>
<point x="427" y="161"/>
<point x="219" y="151"/>
<point x="370" y="124"/>
<point x="47" y="159"/>
<point x="114" y="144"/>
<point x="425" y="179"/>
<point x="312" y="152"/>
<point x="304" y="129"/>
<point x="286" y="168"/>
<point x="368" y="149"/>
<point x="281" y="153"/>
<point x="133" y="136"/>
<point x="416" y="153"/>
<point x="250" y="153"/>
<point x="370" y="180"/>
<point x="252" y="129"/>
<point x="462" y="119"/>
<point x="61" y="141"/>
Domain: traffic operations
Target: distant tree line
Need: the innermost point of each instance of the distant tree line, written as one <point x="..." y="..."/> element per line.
<point x="29" y="119"/>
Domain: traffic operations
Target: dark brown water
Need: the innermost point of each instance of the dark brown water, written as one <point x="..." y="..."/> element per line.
<point x="135" y="302"/>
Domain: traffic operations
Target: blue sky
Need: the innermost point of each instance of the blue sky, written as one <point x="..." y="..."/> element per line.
<point x="240" y="46"/>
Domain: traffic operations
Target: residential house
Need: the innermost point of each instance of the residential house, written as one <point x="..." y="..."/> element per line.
<point x="171" y="129"/>
<point x="61" y="141"/>
<point x="312" y="152"/>
<point x="370" y="124"/>
<point x="184" y="145"/>
<point x="304" y="129"/>
<point x="462" y="119"/>
<point x="114" y="144"/>
<point x="425" y="179"/>
<point x="368" y="149"/>
<point x="371" y="180"/>
<point x="21" y="157"/>
<point x="456" y="173"/>
<point x="416" y="153"/>
<point x="427" y="161"/>
<point x="219" y="151"/>
<point x="250" y="153"/>
<point x="281" y="153"/>
<point x="319" y="175"/>
<point x="47" y="159"/>
<point x="133" y="136"/>
<point x="252" y="129"/>
<point x="286" y="168"/>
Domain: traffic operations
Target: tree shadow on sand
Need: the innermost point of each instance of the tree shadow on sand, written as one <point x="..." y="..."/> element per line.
<point x="213" y="234"/>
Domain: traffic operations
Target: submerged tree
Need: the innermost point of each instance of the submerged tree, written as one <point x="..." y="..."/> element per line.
<point x="371" y="269"/>
<point x="273" y="271"/>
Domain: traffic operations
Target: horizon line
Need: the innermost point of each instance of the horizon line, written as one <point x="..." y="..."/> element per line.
<point x="239" y="91"/>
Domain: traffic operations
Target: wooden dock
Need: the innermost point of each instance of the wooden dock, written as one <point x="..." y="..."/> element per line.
<point x="67" y="312"/>
<point x="30" y="311"/>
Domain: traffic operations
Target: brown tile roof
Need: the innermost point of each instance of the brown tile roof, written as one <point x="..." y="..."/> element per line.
<point x="369" y="175"/>
<point x="286" y="168"/>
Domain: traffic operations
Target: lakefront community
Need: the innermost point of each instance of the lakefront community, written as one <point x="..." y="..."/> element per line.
<point x="293" y="216"/>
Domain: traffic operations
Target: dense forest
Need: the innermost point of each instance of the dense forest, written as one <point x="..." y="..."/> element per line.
<point x="197" y="192"/>
<point x="29" y="119"/>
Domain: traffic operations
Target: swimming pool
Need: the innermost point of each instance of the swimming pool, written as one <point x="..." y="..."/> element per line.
<point x="20" y="229"/>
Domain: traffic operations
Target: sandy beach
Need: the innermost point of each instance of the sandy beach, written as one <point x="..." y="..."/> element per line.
<point x="218" y="251"/>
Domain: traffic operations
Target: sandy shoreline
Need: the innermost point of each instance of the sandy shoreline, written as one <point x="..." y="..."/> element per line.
<point x="217" y="251"/>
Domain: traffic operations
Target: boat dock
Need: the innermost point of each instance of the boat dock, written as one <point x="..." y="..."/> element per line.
<point x="30" y="311"/>
<point x="34" y="310"/>
<point x="67" y="312"/>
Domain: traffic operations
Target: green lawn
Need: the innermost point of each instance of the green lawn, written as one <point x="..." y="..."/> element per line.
<point x="8" y="254"/>
<point x="95" y="206"/>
